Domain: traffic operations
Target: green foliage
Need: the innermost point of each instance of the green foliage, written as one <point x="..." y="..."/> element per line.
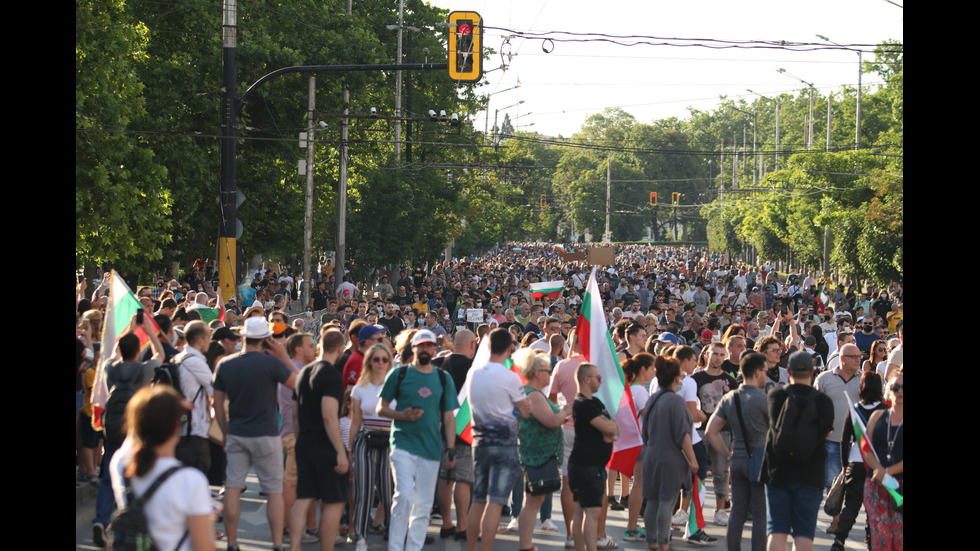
<point x="121" y="202"/>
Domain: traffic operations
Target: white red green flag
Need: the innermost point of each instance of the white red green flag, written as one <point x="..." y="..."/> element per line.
<point x="119" y="313"/>
<point x="859" y="434"/>
<point x="550" y="289"/>
<point x="695" y="517"/>
<point x="560" y="249"/>
<point x="464" y="416"/>
<point x="597" y="347"/>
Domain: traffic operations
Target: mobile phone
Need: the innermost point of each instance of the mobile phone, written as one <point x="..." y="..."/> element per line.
<point x="139" y="317"/>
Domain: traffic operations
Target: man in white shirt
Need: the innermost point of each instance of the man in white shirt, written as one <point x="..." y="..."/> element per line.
<point x="195" y="384"/>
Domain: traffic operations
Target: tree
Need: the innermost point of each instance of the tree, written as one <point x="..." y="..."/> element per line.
<point x="121" y="201"/>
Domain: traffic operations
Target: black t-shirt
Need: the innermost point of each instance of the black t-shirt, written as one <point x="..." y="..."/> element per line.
<point x="711" y="388"/>
<point x="315" y="381"/>
<point x="810" y="472"/>
<point x="731" y="368"/>
<point x="589" y="448"/>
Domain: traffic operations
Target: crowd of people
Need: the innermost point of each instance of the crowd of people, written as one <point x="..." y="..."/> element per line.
<point x="459" y="389"/>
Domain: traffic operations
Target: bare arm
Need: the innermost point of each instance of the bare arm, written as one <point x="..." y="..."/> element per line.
<point x="356" y="420"/>
<point x="331" y="423"/>
<point x="713" y="434"/>
<point x="408" y="414"/>
<point x="541" y="411"/>
<point x="220" y="415"/>
<point x="201" y="531"/>
<point x="607" y="426"/>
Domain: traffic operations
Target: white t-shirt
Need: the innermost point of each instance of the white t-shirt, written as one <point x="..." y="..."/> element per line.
<point x="368" y="395"/>
<point x="640" y="397"/>
<point x="184" y="494"/>
<point x="493" y="392"/>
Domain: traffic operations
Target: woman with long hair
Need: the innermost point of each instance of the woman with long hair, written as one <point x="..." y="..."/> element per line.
<point x="540" y="436"/>
<point x="871" y="396"/>
<point x="369" y="434"/>
<point x="639" y="371"/>
<point x="887" y="436"/>
<point x="179" y="513"/>
<point x="879" y="353"/>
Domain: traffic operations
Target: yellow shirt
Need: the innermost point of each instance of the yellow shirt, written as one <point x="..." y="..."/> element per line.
<point x="893" y="319"/>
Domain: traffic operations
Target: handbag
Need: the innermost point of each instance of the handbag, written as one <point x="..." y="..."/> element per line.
<point x="377" y="439"/>
<point x="835" y="497"/>
<point x="542" y="479"/>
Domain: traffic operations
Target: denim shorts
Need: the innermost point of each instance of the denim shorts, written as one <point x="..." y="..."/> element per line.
<point x="792" y="509"/>
<point x="495" y="471"/>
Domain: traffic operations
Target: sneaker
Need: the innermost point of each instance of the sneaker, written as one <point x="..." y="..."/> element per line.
<point x="832" y="529"/>
<point x="700" y="538"/>
<point x="376" y="528"/>
<point x="606" y="543"/>
<point x="679" y="518"/>
<point x="512" y="526"/>
<point x="639" y="534"/>
<point x="447" y="532"/>
<point x="837" y="546"/>
<point x="361" y="545"/>
<point x="98" y="534"/>
<point x="460" y="536"/>
<point x="429" y="540"/>
<point x="615" y="505"/>
<point x="721" y="518"/>
<point x="569" y="543"/>
<point x="309" y="537"/>
<point x="548" y="526"/>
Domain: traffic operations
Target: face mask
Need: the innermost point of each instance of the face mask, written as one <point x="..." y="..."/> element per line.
<point x="238" y="346"/>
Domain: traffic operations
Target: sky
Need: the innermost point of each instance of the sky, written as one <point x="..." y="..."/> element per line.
<point x="560" y="89"/>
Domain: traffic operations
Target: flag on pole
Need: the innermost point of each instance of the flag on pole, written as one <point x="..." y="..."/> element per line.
<point x="596" y="344"/>
<point x="560" y="249"/>
<point x="696" y="516"/>
<point x="464" y="416"/>
<point x="119" y="313"/>
<point x="210" y="314"/>
<point x="550" y="289"/>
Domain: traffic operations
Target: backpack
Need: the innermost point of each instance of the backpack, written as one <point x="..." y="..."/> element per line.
<point x="114" y="412"/>
<point x="169" y="374"/>
<point x="128" y="530"/>
<point x="795" y="432"/>
<point x="403" y="370"/>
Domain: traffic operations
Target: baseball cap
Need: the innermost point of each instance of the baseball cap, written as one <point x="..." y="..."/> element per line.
<point x="667" y="337"/>
<point x="424" y="336"/>
<point x="224" y="333"/>
<point x="800" y="362"/>
<point x="369" y="331"/>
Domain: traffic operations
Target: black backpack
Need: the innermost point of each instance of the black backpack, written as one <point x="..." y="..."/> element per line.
<point x="795" y="432"/>
<point x="169" y="374"/>
<point x="114" y="412"/>
<point x="128" y="530"/>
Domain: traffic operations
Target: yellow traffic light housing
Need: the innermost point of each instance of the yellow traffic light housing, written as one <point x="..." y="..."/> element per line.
<point x="653" y="198"/>
<point x="544" y="202"/>
<point x="465" y="46"/>
<point x="676" y="198"/>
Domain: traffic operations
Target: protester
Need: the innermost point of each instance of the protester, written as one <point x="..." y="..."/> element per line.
<point x="887" y="437"/>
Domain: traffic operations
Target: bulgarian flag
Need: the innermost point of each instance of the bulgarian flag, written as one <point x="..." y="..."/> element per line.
<point x="696" y="517"/>
<point x="597" y="347"/>
<point x="464" y="416"/>
<point x="119" y="312"/>
<point x="560" y="249"/>
<point x="859" y="434"/>
<point x="209" y="314"/>
<point x="551" y="289"/>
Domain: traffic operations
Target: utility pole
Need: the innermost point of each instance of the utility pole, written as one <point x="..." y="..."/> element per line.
<point x="608" y="236"/>
<point x="398" y="84"/>
<point x="228" y="221"/>
<point x="338" y="266"/>
<point x="830" y="101"/>
<point x="308" y="218"/>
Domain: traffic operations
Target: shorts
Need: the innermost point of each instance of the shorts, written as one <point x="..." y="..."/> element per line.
<point x="569" y="444"/>
<point x="463" y="471"/>
<point x="792" y="509"/>
<point x="90" y="437"/>
<point x="316" y="477"/>
<point x="289" y="448"/>
<point x="495" y="472"/>
<point x="588" y="484"/>
<point x="262" y="453"/>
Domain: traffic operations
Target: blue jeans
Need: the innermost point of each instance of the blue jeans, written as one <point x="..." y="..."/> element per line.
<point x="105" y="499"/>
<point x="496" y="469"/>
<point x="415" y="487"/>
<point x="792" y="509"/>
<point x="833" y="466"/>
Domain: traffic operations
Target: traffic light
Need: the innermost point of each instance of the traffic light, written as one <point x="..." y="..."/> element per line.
<point x="465" y="46"/>
<point x="653" y="198"/>
<point x="544" y="203"/>
<point x="675" y="198"/>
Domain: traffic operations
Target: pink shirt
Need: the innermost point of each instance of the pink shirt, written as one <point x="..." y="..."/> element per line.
<point x="563" y="383"/>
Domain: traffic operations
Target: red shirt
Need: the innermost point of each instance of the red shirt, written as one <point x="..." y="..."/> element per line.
<point x="352" y="369"/>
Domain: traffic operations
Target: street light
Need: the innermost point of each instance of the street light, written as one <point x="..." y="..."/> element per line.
<point x="857" y="121"/>
<point x="809" y="144"/>
<point x="486" y="119"/>
<point x="497" y="111"/>
<point x="777" y="125"/>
